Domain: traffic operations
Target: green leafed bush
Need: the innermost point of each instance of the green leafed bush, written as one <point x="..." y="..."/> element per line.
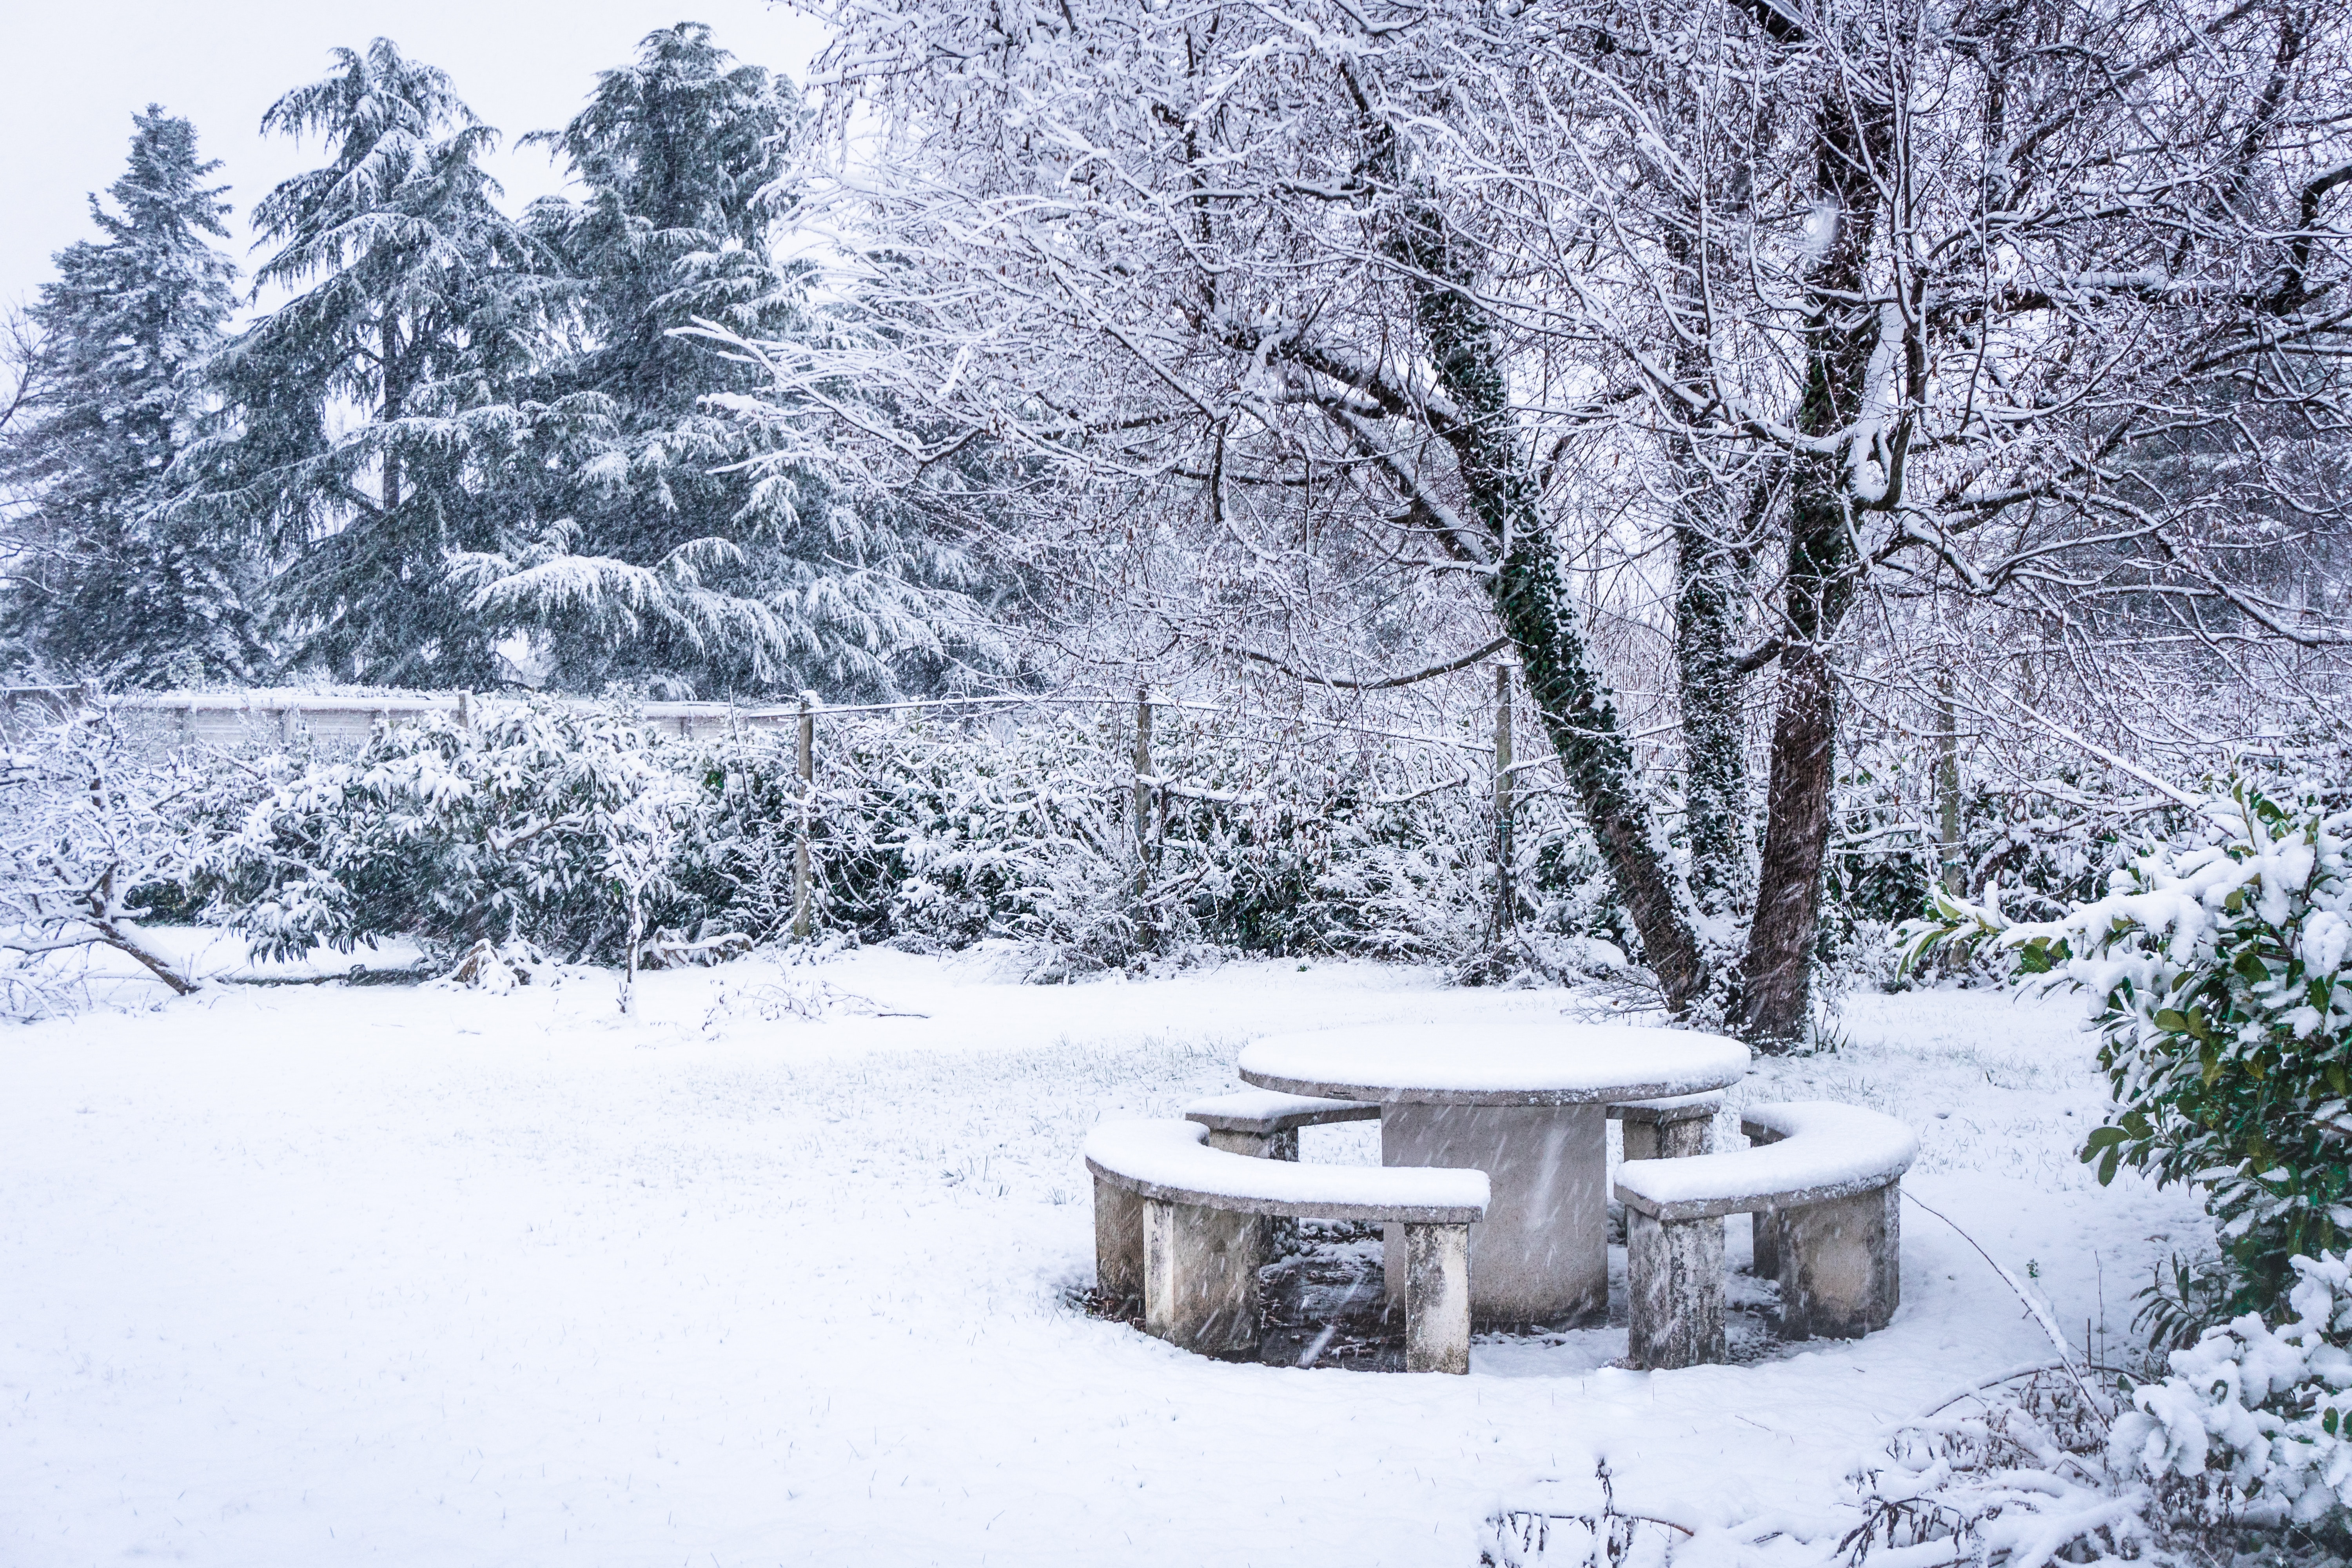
<point x="2217" y="962"/>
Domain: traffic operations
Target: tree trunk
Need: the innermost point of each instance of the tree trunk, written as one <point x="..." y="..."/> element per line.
<point x="107" y="919"/>
<point x="1714" y="712"/>
<point x="1853" y="137"/>
<point x="1713" y="559"/>
<point x="1532" y="598"/>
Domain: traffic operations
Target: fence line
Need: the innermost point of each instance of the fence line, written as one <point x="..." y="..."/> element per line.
<point x="334" y="716"/>
<point x="233" y="717"/>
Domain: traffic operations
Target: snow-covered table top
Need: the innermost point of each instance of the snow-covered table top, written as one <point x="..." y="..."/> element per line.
<point x="1495" y="1064"/>
<point x="1170" y="1160"/>
<point x="1825" y="1150"/>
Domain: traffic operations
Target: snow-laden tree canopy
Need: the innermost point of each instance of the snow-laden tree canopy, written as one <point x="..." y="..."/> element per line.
<point x="1460" y="319"/>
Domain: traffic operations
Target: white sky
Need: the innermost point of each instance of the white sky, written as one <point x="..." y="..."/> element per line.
<point x="80" y="68"/>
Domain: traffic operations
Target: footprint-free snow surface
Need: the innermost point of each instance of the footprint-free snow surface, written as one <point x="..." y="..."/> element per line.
<point x="780" y="1271"/>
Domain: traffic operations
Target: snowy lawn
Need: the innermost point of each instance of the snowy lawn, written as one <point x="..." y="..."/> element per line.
<point x="320" y="1275"/>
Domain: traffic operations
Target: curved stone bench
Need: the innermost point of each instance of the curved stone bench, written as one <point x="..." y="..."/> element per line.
<point x="1199" y="1245"/>
<point x="1674" y="1128"/>
<point x="1824" y="1179"/>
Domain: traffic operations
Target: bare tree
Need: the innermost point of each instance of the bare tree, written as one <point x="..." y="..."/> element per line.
<point x="1495" y="316"/>
<point x="85" y="826"/>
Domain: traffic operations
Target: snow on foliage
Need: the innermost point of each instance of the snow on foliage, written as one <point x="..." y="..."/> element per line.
<point x="2216" y="966"/>
<point x="583" y="833"/>
<point x="1255" y="839"/>
<point x="533" y="821"/>
<point x="84" y="829"/>
<point x="2256" y="1421"/>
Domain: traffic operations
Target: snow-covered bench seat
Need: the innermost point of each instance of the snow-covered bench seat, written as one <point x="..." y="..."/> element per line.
<point x="1266" y="1123"/>
<point x="1201" y="1242"/>
<point x="1826" y="1178"/>
<point x="1676" y="1128"/>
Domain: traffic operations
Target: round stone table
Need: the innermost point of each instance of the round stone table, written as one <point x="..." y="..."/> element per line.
<point x="1527" y="1103"/>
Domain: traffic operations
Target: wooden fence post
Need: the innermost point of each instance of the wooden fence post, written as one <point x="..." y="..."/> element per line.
<point x="801" y="851"/>
<point x="1505" y="911"/>
<point x="1142" y="790"/>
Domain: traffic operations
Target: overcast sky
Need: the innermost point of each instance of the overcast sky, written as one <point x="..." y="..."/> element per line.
<point x="80" y="68"/>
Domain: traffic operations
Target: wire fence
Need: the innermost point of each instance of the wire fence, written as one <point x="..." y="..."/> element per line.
<point x="177" y="721"/>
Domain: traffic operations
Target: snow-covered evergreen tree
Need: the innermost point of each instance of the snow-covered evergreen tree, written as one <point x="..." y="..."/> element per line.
<point x="106" y="580"/>
<point x="374" y="434"/>
<point x="665" y="559"/>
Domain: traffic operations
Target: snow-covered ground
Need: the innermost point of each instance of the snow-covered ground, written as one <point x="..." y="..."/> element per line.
<point x="317" y="1275"/>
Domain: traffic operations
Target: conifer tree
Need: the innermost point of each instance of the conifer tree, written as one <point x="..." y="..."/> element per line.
<point x="418" y="306"/>
<point x="108" y="581"/>
<point x="673" y="560"/>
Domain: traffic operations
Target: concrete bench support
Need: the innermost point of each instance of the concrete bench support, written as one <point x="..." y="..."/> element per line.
<point x="1279" y="1145"/>
<point x="1841" y="1274"/>
<point x="1265" y="1124"/>
<point x="1437" y="1297"/>
<point x="1200" y="1277"/>
<point x="1119" y="1246"/>
<point x="1197" y="1217"/>
<point x="1674" y="1270"/>
<point x="1822" y="1182"/>
<point x="1764" y="1225"/>
<point x="1675" y="1129"/>
<point x="1764" y="1244"/>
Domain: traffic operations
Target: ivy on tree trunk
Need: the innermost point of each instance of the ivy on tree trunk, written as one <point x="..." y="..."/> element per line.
<point x="1532" y="598"/>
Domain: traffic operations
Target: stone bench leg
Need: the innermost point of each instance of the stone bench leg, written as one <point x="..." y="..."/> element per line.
<point x="1200" y="1277"/>
<point x="1281" y="1145"/>
<point x="1841" y="1266"/>
<point x="1691" y="1136"/>
<point x="1118" y="1245"/>
<point x="1764" y="1242"/>
<point x="1281" y="1232"/>
<point x="1764" y="1225"/>
<point x="1437" y="1297"/>
<point x="1675" y="1275"/>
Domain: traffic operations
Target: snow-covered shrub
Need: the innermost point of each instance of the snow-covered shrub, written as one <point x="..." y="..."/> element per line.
<point x="2014" y="1472"/>
<point x="947" y="834"/>
<point x="551" y="824"/>
<point x="2039" y="850"/>
<point x="87" y="826"/>
<point x="2255" y="1422"/>
<point x="935" y="834"/>
<point x="2217" y="962"/>
<point x="496" y="966"/>
<point x="1586" y="1532"/>
<point x="944" y="833"/>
